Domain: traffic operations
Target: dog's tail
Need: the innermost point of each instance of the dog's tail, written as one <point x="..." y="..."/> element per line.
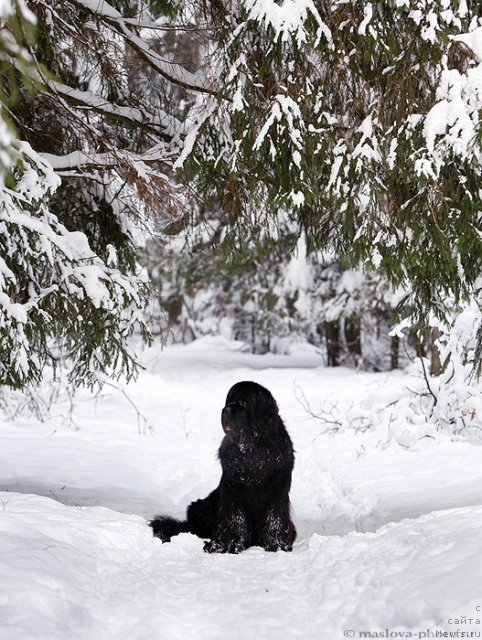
<point x="165" y="527"/>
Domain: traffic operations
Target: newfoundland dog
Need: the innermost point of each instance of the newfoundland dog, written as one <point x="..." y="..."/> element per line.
<point x="251" y="505"/>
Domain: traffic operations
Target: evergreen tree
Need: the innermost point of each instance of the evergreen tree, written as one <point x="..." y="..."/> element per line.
<point x="99" y="133"/>
<point x="362" y="121"/>
<point x="354" y="125"/>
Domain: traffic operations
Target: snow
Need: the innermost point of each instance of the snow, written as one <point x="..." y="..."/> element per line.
<point x="451" y="124"/>
<point x="192" y="134"/>
<point x="368" y="13"/>
<point x="297" y="197"/>
<point x="7" y="8"/>
<point x="367" y="147"/>
<point x="388" y="536"/>
<point x="285" y="114"/>
<point x="298" y="275"/>
<point x="473" y="40"/>
<point x="287" y="17"/>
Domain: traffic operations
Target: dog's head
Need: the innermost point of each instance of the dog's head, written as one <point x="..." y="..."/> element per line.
<point x="250" y="412"/>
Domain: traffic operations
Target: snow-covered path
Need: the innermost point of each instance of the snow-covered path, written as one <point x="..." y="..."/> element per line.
<point x="389" y="538"/>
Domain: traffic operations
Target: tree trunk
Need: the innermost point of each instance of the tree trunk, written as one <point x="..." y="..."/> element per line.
<point x="394" y="352"/>
<point x="353" y="337"/>
<point x="435" y="363"/>
<point x="419" y="344"/>
<point x="332" y="332"/>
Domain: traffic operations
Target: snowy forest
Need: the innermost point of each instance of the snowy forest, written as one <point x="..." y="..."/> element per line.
<point x="198" y="192"/>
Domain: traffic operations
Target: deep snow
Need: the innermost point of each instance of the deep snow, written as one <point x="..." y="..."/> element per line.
<point x="389" y="537"/>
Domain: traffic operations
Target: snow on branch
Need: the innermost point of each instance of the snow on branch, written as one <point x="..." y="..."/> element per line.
<point x="452" y="123"/>
<point x="287" y="19"/>
<point x="162" y="123"/>
<point x="51" y="282"/>
<point x="108" y="160"/>
<point x="175" y="73"/>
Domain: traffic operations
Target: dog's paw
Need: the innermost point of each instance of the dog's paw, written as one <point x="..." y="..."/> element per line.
<point x="278" y="546"/>
<point x="215" y="546"/>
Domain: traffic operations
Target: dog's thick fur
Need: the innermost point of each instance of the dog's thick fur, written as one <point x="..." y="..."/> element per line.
<point x="251" y="504"/>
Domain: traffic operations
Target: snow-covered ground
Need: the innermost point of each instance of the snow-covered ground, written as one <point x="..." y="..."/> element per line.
<point x="389" y="537"/>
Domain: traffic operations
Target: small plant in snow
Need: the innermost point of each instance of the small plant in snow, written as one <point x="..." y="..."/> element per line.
<point x="424" y="405"/>
<point x="457" y="392"/>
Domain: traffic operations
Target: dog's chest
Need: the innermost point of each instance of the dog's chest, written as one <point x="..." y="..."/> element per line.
<point x="249" y="468"/>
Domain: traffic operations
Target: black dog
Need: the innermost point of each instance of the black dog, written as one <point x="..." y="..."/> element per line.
<point x="251" y="505"/>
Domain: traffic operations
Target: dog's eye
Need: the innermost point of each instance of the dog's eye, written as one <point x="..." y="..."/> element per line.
<point x="242" y="403"/>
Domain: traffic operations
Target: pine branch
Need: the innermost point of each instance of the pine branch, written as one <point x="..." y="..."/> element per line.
<point x="175" y="73"/>
<point x="109" y="160"/>
<point x="161" y="124"/>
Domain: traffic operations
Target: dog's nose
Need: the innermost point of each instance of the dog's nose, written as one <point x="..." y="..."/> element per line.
<point x="225" y="418"/>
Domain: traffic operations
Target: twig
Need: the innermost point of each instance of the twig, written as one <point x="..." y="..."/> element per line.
<point x="139" y="415"/>
<point x="304" y="402"/>
<point x="427" y="382"/>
